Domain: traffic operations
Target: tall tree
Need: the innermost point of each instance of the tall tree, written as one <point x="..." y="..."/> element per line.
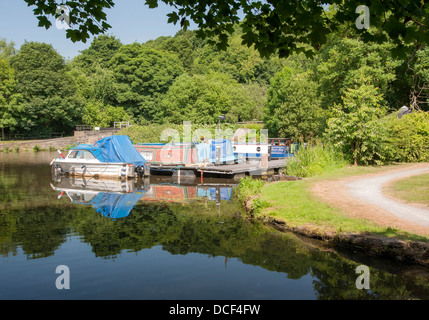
<point x="183" y="44"/>
<point x="99" y="53"/>
<point x="419" y="92"/>
<point x="202" y="98"/>
<point x="293" y="106"/>
<point x="346" y="60"/>
<point x="142" y="76"/>
<point x="243" y="63"/>
<point x="7" y="49"/>
<point x="9" y="99"/>
<point x="50" y="103"/>
<point x="355" y="125"/>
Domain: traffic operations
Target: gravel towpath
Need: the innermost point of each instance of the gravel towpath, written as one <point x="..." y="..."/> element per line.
<point x="370" y="190"/>
<point x="362" y="197"/>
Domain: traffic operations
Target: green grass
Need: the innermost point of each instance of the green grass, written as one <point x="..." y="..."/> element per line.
<point x="293" y="202"/>
<point x="414" y="189"/>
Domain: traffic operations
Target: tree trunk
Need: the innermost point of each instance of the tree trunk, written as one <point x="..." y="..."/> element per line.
<point x="355" y="153"/>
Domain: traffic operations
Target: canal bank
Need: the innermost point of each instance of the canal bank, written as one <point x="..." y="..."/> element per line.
<point x="322" y="208"/>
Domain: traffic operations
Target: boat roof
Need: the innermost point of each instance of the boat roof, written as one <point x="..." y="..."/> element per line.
<point x="116" y="148"/>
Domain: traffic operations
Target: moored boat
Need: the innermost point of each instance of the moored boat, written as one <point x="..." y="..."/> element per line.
<point x="110" y="157"/>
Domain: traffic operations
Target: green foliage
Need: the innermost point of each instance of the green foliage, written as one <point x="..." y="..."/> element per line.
<point x="272" y="27"/>
<point x="37" y="148"/>
<point x="70" y="146"/>
<point x="97" y="85"/>
<point x="9" y="100"/>
<point x="48" y="91"/>
<point x="184" y="44"/>
<point x="86" y="18"/>
<point x="99" y="53"/>
<point x="249" y="187"/>
<point x="142" y="76"/>
<point x="355" y="126"/>
<point x="409" y="137"/>
<point x="153" y="132"/>
<point x="258" y="205"/>
<point x="168" y="80"/>
<point x="248" y="192"/>
<point x="202" y="98"/>
<point x="347" y="61"/>
<point x="243" y="63"/>
<point x="315" y="160"/>
<point x="293" y="106"/>
<point x="99" y="115"/>
<point x="419" y="91"/>
<point x="6" y="49"/>
<point x="149" y="133"/>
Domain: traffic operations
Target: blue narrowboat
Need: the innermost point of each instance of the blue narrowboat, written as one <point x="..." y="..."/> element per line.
<point x="282" y="147"/>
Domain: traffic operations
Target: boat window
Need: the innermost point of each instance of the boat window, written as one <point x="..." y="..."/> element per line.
<point x="81" y="154"/>
<point x="73" y="154"/>
<point x="88" y="155"/>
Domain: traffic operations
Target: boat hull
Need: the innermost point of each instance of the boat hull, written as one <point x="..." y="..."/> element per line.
<point x="100" y="169"/>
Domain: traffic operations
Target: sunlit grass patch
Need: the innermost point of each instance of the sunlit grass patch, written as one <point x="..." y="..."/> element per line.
<point x="413" y="189"/>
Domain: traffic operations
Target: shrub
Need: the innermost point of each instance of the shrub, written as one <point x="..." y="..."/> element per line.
<point x="356" y="128"/>
<point x="70" y="146"/>
<point x="249" y="187"/>
<point x="36" y="148"/>
<point x="409" y="137"/>
<point x="248" y="193"/>
<point x="315" y="160"/>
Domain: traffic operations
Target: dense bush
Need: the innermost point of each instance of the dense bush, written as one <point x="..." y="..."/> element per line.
<point x="355" y="126"/>
<point x="409" y="137"/>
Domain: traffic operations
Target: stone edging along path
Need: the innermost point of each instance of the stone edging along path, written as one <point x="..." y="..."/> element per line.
<point x="413" y="252"/>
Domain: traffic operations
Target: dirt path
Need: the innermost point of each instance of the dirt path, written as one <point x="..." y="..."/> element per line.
<point x="362" y="197"/>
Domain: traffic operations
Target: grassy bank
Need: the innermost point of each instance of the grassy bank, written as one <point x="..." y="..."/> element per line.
<point x="292" y="206"/>
<point x="293" y="203"/>
<point x="413" y="190"/>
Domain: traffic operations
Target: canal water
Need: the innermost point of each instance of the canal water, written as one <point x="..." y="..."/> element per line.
<point x="158" y="239"/>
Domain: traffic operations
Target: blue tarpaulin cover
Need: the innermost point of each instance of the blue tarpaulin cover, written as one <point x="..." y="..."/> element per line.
<point x="119" y="149"/>
<point x="113" y="205"/>
<point x="207" y="151"/>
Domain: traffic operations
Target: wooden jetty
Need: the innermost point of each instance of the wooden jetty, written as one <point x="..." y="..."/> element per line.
<point x="230" y="171"/>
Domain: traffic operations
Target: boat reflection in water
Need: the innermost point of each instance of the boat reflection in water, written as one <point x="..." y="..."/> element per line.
<point x="116" y="199"/>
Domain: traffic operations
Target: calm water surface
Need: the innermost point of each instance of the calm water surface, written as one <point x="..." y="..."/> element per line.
<point x="157" y="239"/>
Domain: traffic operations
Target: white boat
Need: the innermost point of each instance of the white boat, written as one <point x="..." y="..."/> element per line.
<point x="111" y="157"/>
